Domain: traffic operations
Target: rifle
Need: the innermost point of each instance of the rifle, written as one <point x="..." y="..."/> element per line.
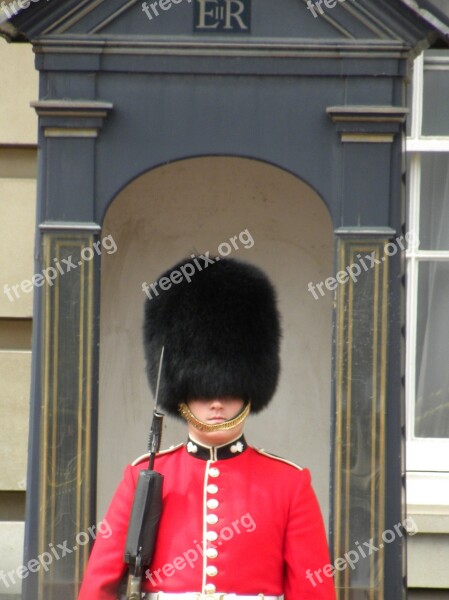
<point x="147" y="508"/>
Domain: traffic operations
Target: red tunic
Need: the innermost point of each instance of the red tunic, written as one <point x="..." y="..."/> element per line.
<point x="235" y="520"/>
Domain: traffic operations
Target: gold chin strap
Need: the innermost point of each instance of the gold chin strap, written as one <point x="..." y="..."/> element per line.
<point x="202" y="426"/>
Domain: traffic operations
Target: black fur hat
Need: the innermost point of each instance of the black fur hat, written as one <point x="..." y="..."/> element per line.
<point x="220" y="327"/>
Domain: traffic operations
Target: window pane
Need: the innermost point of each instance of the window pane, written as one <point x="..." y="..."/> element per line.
<point x="436" y="94"/>
<point x="432" y="345"/>
<point x="434" y="218"/>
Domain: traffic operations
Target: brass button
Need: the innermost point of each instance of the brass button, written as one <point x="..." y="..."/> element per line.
<point x="211" y="553"/>
<point x="212" y="519"/>
<point x="209" y="588"/>
<point x="212" y="488"/>
<point x="211" y="536"/>
<point x="212" y="503"/>
<point x="211" y="570"/>
<point x="214" y="472"/>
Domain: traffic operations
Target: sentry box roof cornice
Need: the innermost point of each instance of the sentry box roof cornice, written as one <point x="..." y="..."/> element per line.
<point x="102" y="26"/>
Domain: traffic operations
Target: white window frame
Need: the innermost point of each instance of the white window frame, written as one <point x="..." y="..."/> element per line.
<point x="423" y="455"/>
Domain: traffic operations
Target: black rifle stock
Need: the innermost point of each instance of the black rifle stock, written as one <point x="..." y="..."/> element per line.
<point x="145" y="515"/>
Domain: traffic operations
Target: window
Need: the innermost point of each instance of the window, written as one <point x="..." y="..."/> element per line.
<point x="427" y="368"/>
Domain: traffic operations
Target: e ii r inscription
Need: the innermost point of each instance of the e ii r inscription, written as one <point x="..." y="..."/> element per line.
<point x="222" y="16"/>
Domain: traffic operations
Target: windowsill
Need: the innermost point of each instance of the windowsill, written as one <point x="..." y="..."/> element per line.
<point x="428" y="501"/>
<point x="429" y="456"/>
<point x="427" y="144"/>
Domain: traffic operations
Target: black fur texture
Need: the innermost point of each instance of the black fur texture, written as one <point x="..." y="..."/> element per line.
<point x="221" y="333"/>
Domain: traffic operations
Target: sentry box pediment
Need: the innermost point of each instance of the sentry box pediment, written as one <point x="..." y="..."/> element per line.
<point x="327" y="24"/>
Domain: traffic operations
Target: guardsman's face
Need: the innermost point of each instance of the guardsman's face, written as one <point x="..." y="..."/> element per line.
<point x="213" y="411"/>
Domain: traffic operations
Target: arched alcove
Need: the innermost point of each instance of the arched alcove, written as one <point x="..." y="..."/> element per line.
<point x="277" y="222"/>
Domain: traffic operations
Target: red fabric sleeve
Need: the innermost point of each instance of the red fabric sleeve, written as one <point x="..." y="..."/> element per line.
<point x="106" y="566"/>
<point x="306" y="550"/>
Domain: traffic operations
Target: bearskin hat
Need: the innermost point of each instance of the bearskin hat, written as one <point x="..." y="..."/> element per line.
<point x="220" y="328"/>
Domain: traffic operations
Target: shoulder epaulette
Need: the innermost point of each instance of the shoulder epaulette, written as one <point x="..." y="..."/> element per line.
<point x="274" y="457"/>
<point x="147" y="455"/>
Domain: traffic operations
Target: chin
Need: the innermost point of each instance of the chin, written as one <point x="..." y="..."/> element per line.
<point x="217" y="438"/>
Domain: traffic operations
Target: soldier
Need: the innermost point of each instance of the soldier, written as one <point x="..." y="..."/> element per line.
<point x="237" y="523"/>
